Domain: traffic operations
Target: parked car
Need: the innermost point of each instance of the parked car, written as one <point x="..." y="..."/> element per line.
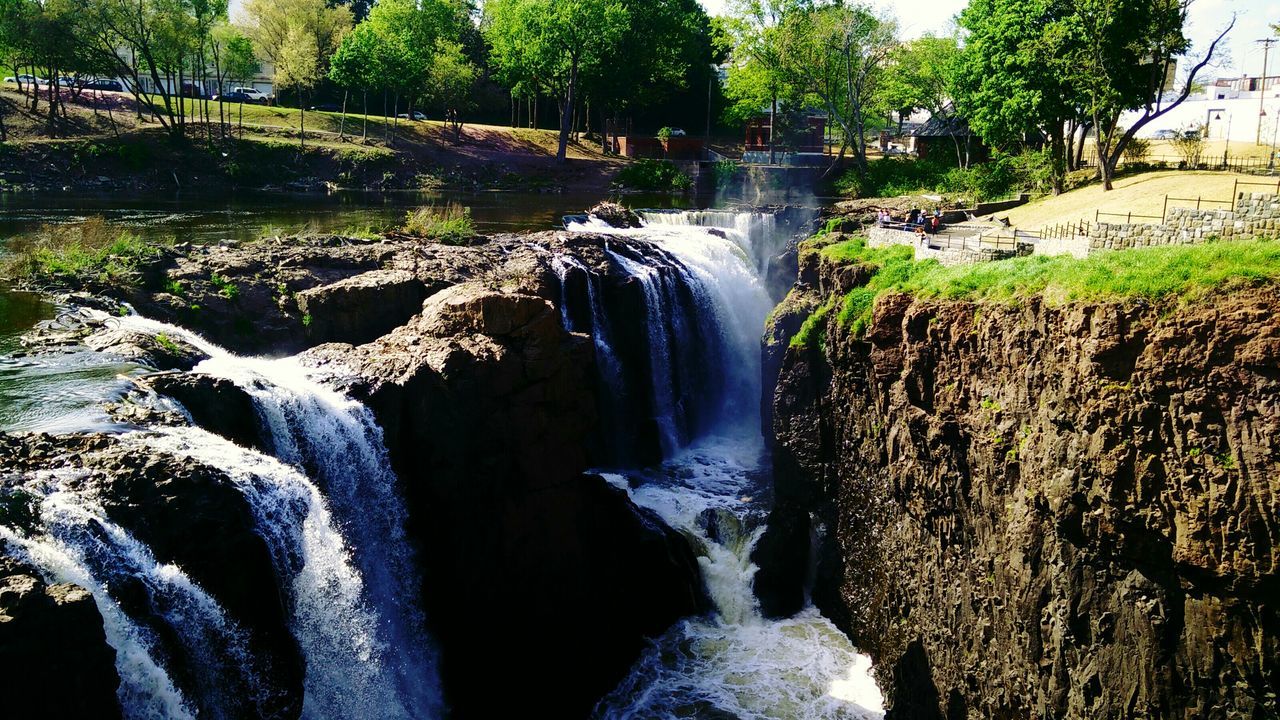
<point x="326" y="107"/>
<point x="416" y="116"/>
<point x="237" y="96"/>
<point x="25" y="79"/>
<point x="102" y="84"/>
<point x="1164" y="134"/>
<point x="65" y="81"/>
<point x="677" y="132"/>
<point x="255" y="95"/>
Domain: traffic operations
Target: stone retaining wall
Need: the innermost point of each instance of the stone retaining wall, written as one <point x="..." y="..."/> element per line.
<point x="884" y="237"/>
<point x="1255" y="215"/>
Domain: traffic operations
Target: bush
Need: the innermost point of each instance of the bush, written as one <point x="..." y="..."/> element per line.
<point x="88" y="249"/>
<point x="1138" y="151"/>
<point x="653" y="175"/>
<point x="450" y="225"/>
<point x="1004" y="174"/>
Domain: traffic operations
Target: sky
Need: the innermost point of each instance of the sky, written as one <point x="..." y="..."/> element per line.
<point x="1207" y="18"/>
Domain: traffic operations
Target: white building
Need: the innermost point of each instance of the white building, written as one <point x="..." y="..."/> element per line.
<point x="1228" y="108"/>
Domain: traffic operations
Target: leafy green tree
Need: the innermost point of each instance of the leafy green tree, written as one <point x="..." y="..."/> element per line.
<point x="275" y="25"/>
<point x="756" y="76"/>
<point x="235" y="61"/>
<point x="298" y="68"/>
<point x="1121" y="60"/>
<point x="451" y="81"/>
<point x="920" y="76"/>
<point x="836" y="54"/>
<point x="1009" y="85"/>
<point x="554" y="45"/>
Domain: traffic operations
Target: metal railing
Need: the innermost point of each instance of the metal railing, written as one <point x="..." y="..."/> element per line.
<point x="1128" y="217"/>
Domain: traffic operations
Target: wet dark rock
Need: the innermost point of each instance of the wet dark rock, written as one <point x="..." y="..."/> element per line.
<point x="159" y="351"/>
<point x="215" y="404"/>
<point x="615" y="215"/>
<point x="486" y="403"/>
<point x="1043" y="511"/>
<point x="190" y="515"/>
<point x="56" y="660"/>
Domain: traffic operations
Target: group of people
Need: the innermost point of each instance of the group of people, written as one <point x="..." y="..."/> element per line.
<point x="918" y="220"/>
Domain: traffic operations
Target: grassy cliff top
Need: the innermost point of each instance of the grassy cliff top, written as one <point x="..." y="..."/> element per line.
<point x="1185" y="272"/>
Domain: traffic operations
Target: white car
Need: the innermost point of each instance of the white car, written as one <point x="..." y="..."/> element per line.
<point x="253" y="94"/>
<point x="416" y="116"/>
<point x="26" y="79"/>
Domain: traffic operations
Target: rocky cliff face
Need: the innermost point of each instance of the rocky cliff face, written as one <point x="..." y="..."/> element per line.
<point x="533" y="570"/>
<point x="1039" y="510"/>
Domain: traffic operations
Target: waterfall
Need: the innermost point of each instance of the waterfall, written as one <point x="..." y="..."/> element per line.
<point x="341" y="538"/>
<point x="714" y="488"/>
<point x="78" y="544"/>
<point x="755" y="232"/>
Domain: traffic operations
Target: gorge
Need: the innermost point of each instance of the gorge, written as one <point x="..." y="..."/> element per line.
<point x="559" y="471"/>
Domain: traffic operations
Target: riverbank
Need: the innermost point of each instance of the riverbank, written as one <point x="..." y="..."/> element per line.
<point x="97" y="151"/>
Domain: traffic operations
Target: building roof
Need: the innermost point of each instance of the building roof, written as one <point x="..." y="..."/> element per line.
<point x="943" y="127"/>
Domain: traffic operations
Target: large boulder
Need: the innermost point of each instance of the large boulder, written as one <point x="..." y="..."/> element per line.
<point x="160" y="351"/>
<point x="53" y="650"/>
<point x="215" y="404"/>
<point x="486" y="404"/>
<point x="361" y="308"/>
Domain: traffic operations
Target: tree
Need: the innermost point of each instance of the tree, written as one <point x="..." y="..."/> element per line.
<point x="274" y="25"/>
<point x="237" y="61"/>
<point x="921" y="77"/>
<point x="756" y="77"/>
<point x="837" y="53"/>
<point x="554" y="45"/>
<point x="1010" y="85"/>
<point x="298" y="68"/>
<point x="1122" y="60"/>
<point x="451" y="81"/>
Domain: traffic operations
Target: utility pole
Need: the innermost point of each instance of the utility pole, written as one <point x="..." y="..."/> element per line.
<point x="1262" y="86"/>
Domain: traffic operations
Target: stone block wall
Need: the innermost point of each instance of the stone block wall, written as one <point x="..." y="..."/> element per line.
<point x="1256" y="215"/>
<point x="884" y="237"/>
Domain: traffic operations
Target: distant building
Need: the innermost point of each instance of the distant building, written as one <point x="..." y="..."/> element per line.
<point x="939" y="135"/>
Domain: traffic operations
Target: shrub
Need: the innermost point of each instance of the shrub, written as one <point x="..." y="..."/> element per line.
<point x="450" y="224"/>
<point x="1002" y="175"/>
<point x="1189" y="144"/>
<point x="653" y="175"/>
<point x="1138" y="151"/>
<point x="78" y="251"/>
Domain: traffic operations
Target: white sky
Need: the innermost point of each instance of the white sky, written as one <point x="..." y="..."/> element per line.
<point x="1208" y="17"/>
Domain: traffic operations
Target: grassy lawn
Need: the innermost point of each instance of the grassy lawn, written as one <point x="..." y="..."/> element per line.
<point x="1138" y="194"/>
<point x="1178" y="272"/>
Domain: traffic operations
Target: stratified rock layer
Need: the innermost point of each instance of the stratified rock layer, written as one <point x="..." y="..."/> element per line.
<point x="541" y="583"/>
<point x="1042" y="511"/>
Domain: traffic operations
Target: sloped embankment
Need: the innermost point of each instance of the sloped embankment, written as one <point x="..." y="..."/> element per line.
<point x="1038" y="500"/>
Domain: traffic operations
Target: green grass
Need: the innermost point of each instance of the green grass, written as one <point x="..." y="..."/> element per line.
<point x="813" y="329"/>
<point x="84" y="250"/>
<point x="1184" y="272"/>
<point x="653" y="175"/>
<point x="450" y="224"/>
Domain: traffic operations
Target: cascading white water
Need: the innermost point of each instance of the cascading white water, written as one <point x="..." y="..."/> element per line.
<point x="755" y="232"/>
<point x="78" y="544"/>
<point x="736" y="662"/>
<point x="362" y="634"/>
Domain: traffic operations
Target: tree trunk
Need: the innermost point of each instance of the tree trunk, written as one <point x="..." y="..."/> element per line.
<point x="1057" y="158"/>
<point x="773" y="124"/>
<point x="566" y="115"/>
<point x="364" y="128"/>
<point x="302" y="121"/>
<point x="342" y="124"/>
